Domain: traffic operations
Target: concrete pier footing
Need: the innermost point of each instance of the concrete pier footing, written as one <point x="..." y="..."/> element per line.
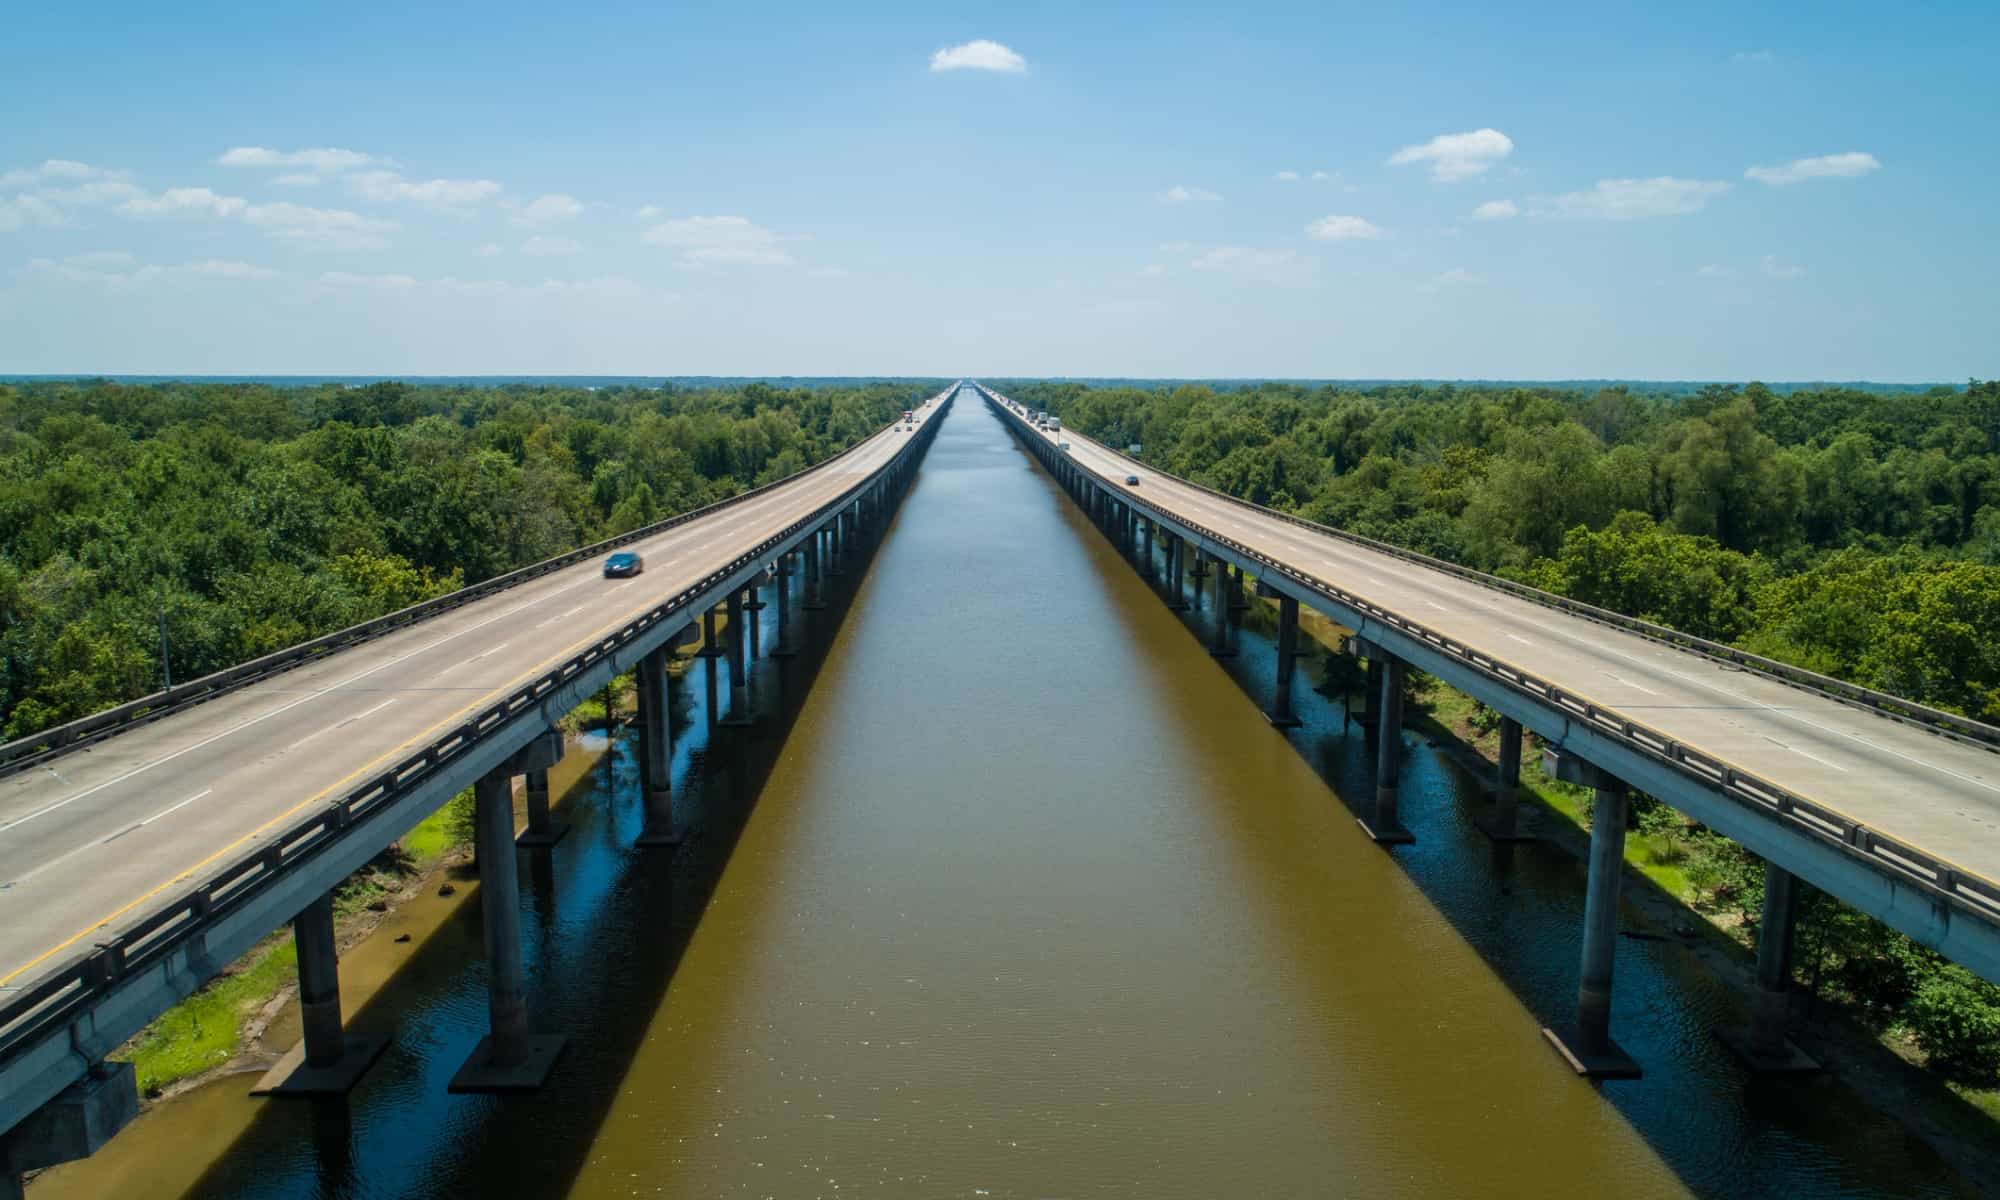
<point x="1763" y="1046"/>
<point x="1281" y="714"/>
<point x="543" y="829"/>
<point x="327" y="1061"/>
<point x="656" y="753"/>
<point x="1587" y="1045"/>
<point x="739" y="664"/>
<point x="1504" y="823"/>
<point x="75" y="1124"/>
<point x="509" y="1058"/>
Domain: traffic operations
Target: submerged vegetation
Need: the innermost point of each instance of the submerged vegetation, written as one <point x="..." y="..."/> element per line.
<point x="1851" y="532"/>
<point x="218" y="522"/>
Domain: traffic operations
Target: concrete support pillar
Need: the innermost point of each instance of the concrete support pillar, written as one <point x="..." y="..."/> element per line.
<point x="710" y="648"/>
<point x="1176" y="572"/>
<point x="815" y="578"/>
<point x="1504" y="825"/>
<point x="1587" y="1046"/>
<point x="1219" y="644"/>
<point x="543" y="829"/>
<point x="786" y="638"/>
<point x="836" y="543"/>
<point x="1146" y="551"/>
<point x="1386" y="825"/>
<point x="1199" y="575"/>
<point x="1237" y="606"/>
<point x="508" y="1058"/>
<point x="739" y="665"/>
<point x="754" y="621"/>
<point x="656" y="752"/>
<point x="1288" y="645"/>
<point x="1764" y="1046"/>
<point x="327" y="1061"/>
<point x="1371" y="692"/>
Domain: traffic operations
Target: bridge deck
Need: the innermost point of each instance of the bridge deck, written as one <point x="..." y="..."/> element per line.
<point x="99" y="838"/>
<point x="1932" y="792"/>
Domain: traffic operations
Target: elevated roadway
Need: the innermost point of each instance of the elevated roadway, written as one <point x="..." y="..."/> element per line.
<point x="1890" y="806"/>
<point x="167" y="819"/>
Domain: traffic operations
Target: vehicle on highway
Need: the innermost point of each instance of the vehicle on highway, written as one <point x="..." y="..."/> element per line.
<point x="1132" y="481"/>
<point x="1063" y="446"/>
<point x="623" y="564"/>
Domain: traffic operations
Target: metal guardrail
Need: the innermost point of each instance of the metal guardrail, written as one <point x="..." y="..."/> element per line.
<point x="36" y="748"/>
<point x="1964" y="889"/>
<point x="73" y="987"/>
<point x="1884" y="703"/>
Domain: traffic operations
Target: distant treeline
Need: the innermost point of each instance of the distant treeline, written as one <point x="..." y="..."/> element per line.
<point x="1853" y="532"/>
<point x="253" y="516"/>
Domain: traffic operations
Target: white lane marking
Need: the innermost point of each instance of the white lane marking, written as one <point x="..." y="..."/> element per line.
<point x="174" y="808"/>
<point x="340" y="724"/>
<point x="1628" y="683"/>
<point x="1517" y="637"/>
<point x="1436" y="605"/>
<point x="746" y="510"/>
<point x="1802" y="754"/>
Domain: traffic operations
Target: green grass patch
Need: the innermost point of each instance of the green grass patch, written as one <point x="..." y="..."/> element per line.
<point x="202" y="1031"/>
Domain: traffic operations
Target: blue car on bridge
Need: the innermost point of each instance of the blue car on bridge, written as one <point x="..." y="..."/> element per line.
<point x="623" y="564"/>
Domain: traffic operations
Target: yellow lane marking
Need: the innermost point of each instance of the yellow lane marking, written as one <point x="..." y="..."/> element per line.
<point x="182" y="876"/>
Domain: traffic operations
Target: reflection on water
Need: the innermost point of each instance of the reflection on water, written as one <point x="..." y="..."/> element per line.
<point x="1026" y="899"/>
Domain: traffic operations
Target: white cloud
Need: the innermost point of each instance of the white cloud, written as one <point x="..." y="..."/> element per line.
<point x="1175" y="247"/>
<point x="490" y="250"/>
<point x="1781" y="270"/>
<point x="56" y="168"/>
<point x="980" y="55"/>
<point x="719" y="241"/>
<point x="1632" y="199"/>
<point x="1251" y="263"/>
<point x="1286" y="177"/>
<point x="1153" y="270"/>
<point x="1457" y="156"/>
<point x="1496" y="210"/>
<point x="297" y="179"/>
<point x="1182" y="194"/>
<point x="184" y="202"/>
<point x="1457" y="275"/>
<point x="1321" y="175"/>
<point x="544" y="246"/>
<point x="545" y="209"/>
<point x="388" y="187"/>
<point x="1714" y="271"/>
<point x="101" y="269"/>
<point x="335" y="229"/>
<point x="22" y="211"/>
<point x="650" y="211"/>
<point x="1826" y="166"/>
<point x="348" y="279"/>
<point x="1335" y="228"/>
<point x="1753" y="56"/>
<point x="326" y="159"/>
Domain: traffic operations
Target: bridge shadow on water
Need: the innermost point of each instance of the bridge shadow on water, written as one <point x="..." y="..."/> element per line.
<point x="605" y="926"/>
<point x="1723" y="1131"/>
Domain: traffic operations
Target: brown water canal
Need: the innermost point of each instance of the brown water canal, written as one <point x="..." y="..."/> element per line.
<point x="1012" y="892"/>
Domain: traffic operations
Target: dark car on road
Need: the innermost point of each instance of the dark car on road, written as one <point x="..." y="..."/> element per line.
<point x="1132" y="481"/>
<point x="623" y="564"/>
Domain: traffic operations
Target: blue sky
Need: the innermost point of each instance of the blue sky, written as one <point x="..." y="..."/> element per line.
<point x="1694" y="190"/>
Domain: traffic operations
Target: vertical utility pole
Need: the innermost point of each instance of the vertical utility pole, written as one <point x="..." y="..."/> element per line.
<point x="166" y="659"/>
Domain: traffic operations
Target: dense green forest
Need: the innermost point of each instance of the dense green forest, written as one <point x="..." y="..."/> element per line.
<point x="1856" y="533"/>
<point x="252" y="517"/>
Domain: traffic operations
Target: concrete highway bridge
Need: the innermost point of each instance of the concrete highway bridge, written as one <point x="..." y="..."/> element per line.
<point x="144" y="849"/>
<point x="1888" y="805"/>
